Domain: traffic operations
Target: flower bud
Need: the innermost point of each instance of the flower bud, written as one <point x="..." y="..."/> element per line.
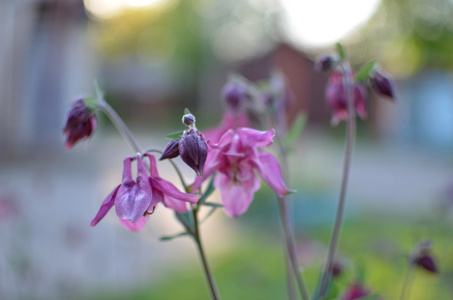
<point x="80" y="124"/>
<point x="171" y="150"/>
<point x="325" y="63"/>
<point x="423" y="258"/>
<point x="193" y="150"/>
<point x="355" y="291"/>
<point x="383" y="85"/>
<point x="234" y="95"/>
<point x="188" y="119"/>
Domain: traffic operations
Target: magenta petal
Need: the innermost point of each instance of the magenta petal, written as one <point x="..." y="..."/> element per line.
<point x="137" y="226"/>
<point x="236" y="197"/>
<point x="169" y="189"/>
<point x="177" y="205"/>
<point x="270" y="170"/>
<point x="133" y="201"/>
<point x="105" y="207"/>
<point x="152" y="165"/>
<point x="255" y="138"/>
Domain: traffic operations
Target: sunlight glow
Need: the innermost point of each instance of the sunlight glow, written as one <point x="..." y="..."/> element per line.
<point x="323" y="22"/>
<point x="107" y="8"/>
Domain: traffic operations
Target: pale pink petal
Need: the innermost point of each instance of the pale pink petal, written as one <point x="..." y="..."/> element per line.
<point x="236" y="196"/>
<point x="229" y="121"/>
<point x="141" y="168"/>
<point x="255" y="138"/>
<point x="105" y="207"/>
<point x="269" y="169"/>
<point x="177" y="205"/>
<point x="137" y="226"/>
<point x="169" y="189"/>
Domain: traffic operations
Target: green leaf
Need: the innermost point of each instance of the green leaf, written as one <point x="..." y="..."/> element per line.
<point x="212" y="204"/>
<point x="341" y="52"/>
<point x="168" y="238"/>
<point x="98" y="89"/>
<point x="92" y="103"/>
<point x="296" y="129"/>
<point x="364" y="73"/>
<point x="209" y="190"/>
<point x="175" y="135"/>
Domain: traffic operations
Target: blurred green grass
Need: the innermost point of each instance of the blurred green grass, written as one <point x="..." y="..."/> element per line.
<point x="378" y="246"/>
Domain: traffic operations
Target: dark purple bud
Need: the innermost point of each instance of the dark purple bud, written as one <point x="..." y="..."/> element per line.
<point x="383" y="85"/>
<point x="193" y="150"/>
<point x="325" y="63"/>
<point x="336" y="269"/>
<point x="171" y="150"/>
<point x="234" y="95"/>
<point x="188" y="119"/>
<point x="426" y="262"/>
<point x="80" y="124"/>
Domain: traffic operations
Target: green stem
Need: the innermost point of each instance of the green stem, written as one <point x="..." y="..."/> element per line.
<point x="407" y="283"/>
<point x="118" y="122"/>
<point x="207" y="271"/>
<point x="350" y="139"/>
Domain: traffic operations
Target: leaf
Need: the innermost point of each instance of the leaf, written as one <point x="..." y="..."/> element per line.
<point x="175" y="135"/>
<point x="296" y="129"/>
<point x="341" y="52"/>
<point x="92" y="103"/>
<point x="186" y="111"/>
<point x="365" y="71"/>
<point x="209" y="190"/>
<point x="212" y="204"/>
<point x="98" y="89"/>
<point x="170" y="237"/>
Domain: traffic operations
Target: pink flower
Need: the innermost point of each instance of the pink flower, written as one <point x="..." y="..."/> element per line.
<point x="355" y="291"/>
<point x="235" y="159"/>
<point x="230" y="120"/>
<point x="80" y="124"/>
<point x="336" y="98"/>
<point x="135" y="200"/>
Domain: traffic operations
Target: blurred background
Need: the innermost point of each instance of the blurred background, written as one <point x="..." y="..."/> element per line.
<point x="156" y="57"/>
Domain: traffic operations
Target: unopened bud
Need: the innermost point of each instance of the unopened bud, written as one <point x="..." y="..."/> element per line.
<point x="193" y="150"/>
<point x="422" y="257"/>
<point x="80" y="124"/>
<point x="383" y="85"/>
<point x="234" y="95"/>
<point x="171" y="150"/>
<point x="325" y="63"/>
<point x="188" y="119"/>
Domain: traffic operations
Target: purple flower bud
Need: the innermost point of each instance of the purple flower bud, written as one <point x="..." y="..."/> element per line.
<point x="188" y="119"/>
<point x="325" y="63"/>
<point x="193" y="150"/>
<point x="383" y="84"/>
<point x="233" y="94"/>
<point x="336" y="269"/>
<point x="80" y="124"/>
<point x="426" y="262"/>
<point x="171" y="150"/>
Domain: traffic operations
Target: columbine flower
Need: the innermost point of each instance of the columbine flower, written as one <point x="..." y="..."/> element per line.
<point x="355" y="291"/>
<point x="135" y="200"/>
<point x="336" y="98"/>
<point x="236" y="158"/>
<point x="234" y="95"/>
<point x="80" y="124"/>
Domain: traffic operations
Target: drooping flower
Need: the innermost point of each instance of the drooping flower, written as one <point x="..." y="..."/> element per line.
<point x="336" y="98"/>
<point x="236" y="159"/>
<point x="135" y="200"/>
<point x="80" y="124"/>
<point x="422" y="257"/>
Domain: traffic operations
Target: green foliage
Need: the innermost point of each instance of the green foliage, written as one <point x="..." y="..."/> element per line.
<point x="296" y="130"/>
<point x="175" y="135"/>
<point x="365" y="72"/>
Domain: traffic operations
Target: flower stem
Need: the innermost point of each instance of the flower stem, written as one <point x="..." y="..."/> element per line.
<point x="291" y="259"/>
<point x="119" y="124"/>
<point x="407" y="282"/>
<point x="178" y="171"/>
<point x="207" y="270"/>
<point x="350" y="139"/>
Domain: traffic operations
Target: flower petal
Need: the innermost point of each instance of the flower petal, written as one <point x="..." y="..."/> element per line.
<point x="133" y="201"/>
<point x="152" y="165"/>
<point x="137" y="226"/>
<point x="269" y="169"/>
<point x="236" y="196"/>
<point x="105" y="207"/>
<point x="255" y="138"/>
<point x="175" y="204"/>
<point x="169" y="189"/>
